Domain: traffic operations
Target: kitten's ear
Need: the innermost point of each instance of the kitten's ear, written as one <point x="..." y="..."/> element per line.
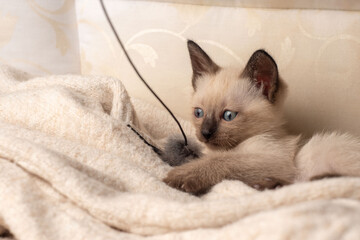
<point x="262" y="69"/>
<point x="201" y="63"/>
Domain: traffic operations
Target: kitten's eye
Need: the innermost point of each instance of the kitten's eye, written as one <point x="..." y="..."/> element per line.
<point x="229" y="115"/>
<point x="198" y="112"/>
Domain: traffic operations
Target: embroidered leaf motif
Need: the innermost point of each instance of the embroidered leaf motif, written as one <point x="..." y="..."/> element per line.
<point x="253" y="23"/>
<point x="7" y="26"/>
<point x="148" y="53"/>
<point x="287" y="53"/>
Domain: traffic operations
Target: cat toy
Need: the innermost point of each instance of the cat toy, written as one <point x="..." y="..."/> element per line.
<point x="176" y="151"/>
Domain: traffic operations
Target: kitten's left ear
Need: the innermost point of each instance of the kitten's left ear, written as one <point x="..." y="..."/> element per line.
<point x="262" y="69"/>
<point x="201" y="63"/>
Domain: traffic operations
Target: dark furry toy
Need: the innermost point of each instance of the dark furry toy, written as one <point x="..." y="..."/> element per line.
<point x="175" y="153"/>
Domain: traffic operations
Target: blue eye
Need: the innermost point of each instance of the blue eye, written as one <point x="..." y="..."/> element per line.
<point x="198" y="112"/>
<point x="229" y="115"/>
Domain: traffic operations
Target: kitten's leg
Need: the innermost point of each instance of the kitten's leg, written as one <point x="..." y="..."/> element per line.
<point x="194" y="177"/>
<point x="258" y="171"/>
<point x="328" y="155"/>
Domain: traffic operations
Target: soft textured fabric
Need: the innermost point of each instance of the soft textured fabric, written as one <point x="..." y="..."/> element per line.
<point x="70" y="168"/>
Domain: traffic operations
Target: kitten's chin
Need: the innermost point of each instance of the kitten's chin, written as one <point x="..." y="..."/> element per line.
<point x="218" y="146"/>
<point x="214" y="146"/>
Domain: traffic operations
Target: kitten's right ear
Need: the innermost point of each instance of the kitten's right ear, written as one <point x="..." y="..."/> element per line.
<point x="262" y="69"/>
<point x="201" y="63"/>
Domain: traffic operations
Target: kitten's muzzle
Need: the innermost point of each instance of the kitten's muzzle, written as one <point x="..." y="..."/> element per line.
<point x="208" y="128"/>
<point x="207" y="134"/>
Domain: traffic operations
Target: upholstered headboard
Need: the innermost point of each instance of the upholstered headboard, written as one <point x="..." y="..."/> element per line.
<point x="316" y="46"/>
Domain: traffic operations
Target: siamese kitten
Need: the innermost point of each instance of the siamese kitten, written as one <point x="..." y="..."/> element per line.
<point x="237" y="114"/>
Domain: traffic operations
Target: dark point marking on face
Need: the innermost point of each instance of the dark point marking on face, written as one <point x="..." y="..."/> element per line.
<point x="209" y="127"/>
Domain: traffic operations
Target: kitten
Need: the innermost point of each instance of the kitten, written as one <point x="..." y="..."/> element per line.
<point x="237" y="114"/>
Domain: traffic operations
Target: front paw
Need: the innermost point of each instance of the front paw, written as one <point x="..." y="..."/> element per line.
<point x="267" y="183"/>
<point x="187" y="180"/>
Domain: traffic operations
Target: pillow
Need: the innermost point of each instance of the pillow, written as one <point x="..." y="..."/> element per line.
<point x="39" y="36"/>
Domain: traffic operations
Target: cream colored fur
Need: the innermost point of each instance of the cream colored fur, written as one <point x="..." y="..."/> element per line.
<point x="254" y="147"/>
<point x="225" y="91"/>
<point x="323" y="154"/>
<point x="329" y="154"/>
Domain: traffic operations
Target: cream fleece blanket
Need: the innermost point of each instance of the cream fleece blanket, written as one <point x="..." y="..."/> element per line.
<point x="70" y="168"/>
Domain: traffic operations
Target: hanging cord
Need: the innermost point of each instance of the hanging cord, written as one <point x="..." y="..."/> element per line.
<point x="141" y="78"/>
<point x="155" y="149"/>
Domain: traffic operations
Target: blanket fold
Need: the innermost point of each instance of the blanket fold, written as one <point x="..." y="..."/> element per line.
<point x="70" y="168"/>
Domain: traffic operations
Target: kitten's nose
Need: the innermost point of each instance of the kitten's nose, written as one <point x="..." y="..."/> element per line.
<point x="207" y="133"/>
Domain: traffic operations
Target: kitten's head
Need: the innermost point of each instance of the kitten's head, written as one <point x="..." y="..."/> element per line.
<point x="231" y="105"/>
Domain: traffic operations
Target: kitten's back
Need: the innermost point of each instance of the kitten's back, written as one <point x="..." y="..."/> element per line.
<point x="327" y="155"/>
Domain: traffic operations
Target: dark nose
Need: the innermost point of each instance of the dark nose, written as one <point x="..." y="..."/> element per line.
<point x="207" y="133"/>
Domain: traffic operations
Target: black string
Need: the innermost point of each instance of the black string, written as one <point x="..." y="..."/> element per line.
<point x="137" y="72"/>
<point x="156" y="150"/>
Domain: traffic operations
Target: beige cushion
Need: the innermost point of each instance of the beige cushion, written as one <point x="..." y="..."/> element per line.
<point x="317" y="52"/>
<point x="39" y="36"/>
<point x="350" y="5"/>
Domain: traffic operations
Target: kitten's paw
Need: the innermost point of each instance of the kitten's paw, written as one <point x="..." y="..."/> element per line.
<point x="187" y="180"/>
<point x="267" y="183"/>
